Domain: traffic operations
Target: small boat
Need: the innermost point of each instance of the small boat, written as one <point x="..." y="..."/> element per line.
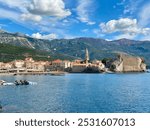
<point x="4" y="83"/>
<point x="8" y="84"/>
<point x="24" y="82"/>
<point x="21" y="82"/>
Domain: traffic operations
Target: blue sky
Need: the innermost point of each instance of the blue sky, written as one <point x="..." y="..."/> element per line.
<point x="51" y="19"/>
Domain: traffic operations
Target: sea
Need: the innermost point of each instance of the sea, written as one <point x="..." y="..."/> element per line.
<point x="77" y="93"/>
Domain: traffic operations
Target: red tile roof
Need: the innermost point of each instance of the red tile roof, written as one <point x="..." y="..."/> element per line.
<point x="57" y="61"/>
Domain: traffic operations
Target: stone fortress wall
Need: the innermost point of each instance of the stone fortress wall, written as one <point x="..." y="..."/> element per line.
<point x="128" y="63"/>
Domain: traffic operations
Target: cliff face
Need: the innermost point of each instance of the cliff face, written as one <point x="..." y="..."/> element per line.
<point x="127" y="63"/>
<point x="18" y="39"/>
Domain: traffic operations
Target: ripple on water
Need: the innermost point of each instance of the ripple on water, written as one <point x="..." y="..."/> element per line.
<point x="78" y="93"/>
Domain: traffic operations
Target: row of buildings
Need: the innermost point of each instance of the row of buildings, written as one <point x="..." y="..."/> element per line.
<point x="124" y="63"/>
<point x="29" y="65"/>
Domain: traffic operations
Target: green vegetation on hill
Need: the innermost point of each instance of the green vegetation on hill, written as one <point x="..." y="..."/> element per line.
<point x="100" y="49"/>
<point x="69" y="48"/>
<point x="10" y="52"/>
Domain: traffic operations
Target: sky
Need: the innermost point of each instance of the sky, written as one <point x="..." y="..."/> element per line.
<point x="54" y="19"/>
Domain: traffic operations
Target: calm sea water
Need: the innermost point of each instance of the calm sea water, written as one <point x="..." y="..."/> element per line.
<point x="78" y="93"/>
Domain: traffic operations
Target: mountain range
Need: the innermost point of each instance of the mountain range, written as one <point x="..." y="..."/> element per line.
<point x="75" y="48"/>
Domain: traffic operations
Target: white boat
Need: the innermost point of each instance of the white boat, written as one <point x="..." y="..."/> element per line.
<point x="9" y="84"/>
<point x="4" y="83"/>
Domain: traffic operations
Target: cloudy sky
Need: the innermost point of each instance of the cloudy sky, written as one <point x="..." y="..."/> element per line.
<point x="51" y="19"/>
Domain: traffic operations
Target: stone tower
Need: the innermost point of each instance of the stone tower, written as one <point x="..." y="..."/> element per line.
<point x="87" y="56"/>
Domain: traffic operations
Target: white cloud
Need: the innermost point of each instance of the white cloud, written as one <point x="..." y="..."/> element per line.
<point x="65" y="21"/>
<point x="9" y="14"/>
<point x="36" y="10"/>
<point x="144" y="15"/>
<point x="125" y="26"/>
<point x="31" y="17"/>
<point x="98" y="33"/>
<point x="83" y="11"/>
<point x="55" y="8"/>
<point x="47" y="19"/>
<point x="85" y="30"/>
<point x="46" y="37"/>
<point x="132" y="6"/>
<point x="17" y="4"/>
<point x="121" y="36"/>
<point x="122" y="2"/>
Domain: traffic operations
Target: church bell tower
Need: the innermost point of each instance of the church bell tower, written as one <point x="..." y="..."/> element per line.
<point x="87" y="56"/>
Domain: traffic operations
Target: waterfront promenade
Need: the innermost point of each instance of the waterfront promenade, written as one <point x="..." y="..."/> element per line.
<point x="36" y="73"/>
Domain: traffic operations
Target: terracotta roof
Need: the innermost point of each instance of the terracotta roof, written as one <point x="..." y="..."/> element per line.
<point x="57" y="61"/>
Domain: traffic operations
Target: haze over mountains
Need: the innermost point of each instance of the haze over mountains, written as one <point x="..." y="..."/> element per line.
<point x="75" y="48"/>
